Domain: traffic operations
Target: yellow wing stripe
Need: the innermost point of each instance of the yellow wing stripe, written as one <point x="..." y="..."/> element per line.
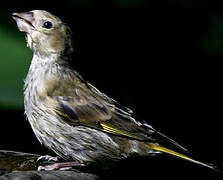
<point x="108" y="128"/>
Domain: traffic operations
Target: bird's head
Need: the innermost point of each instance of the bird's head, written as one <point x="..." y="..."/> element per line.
<point x="46" y="33"/>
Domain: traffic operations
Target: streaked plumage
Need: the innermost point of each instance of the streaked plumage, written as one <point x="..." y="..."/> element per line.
<point x="70" y="116"/>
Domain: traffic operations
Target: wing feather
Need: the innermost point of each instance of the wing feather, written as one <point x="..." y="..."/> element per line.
<point x="87" y="106"/>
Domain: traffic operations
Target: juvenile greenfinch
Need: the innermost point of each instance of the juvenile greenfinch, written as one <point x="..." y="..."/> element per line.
<point x="70" y="116"/>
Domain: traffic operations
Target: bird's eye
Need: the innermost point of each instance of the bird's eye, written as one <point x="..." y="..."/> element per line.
<point x="47" y="25"/>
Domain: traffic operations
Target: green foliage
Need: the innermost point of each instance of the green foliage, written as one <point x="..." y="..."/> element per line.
<point x="14" y="62"/>
<point x="213" y="40"/>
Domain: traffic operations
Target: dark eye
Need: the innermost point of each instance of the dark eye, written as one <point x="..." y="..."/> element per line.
<point x="47" y="25"/>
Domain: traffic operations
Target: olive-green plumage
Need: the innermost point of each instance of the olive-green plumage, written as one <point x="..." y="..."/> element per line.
<point x="70" y="116"/>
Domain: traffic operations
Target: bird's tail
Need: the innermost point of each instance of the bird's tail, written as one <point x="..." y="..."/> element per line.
<point x="162" y="149"/>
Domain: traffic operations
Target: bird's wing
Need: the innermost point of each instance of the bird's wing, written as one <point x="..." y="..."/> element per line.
<point x="87" y="106"/>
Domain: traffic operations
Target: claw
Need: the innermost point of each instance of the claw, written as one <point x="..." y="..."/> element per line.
<point x="55" y="159"/>
<point x="47" y="158"/>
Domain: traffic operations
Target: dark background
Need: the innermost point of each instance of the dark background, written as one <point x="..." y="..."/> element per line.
<point x="163" y="60"/>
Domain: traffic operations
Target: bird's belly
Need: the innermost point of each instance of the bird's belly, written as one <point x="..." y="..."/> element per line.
<point x="77" y="143"/>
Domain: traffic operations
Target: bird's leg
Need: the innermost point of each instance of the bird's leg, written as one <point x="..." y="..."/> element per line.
<point x="61" y="166"/>
<point x="48" y="158"/>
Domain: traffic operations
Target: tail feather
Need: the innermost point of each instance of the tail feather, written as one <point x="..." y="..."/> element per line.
<point x="171" y="141"/>
<point x="159" y="148"/>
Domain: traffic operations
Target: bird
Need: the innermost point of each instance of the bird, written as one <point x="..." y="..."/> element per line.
<point x="71" y="117"/>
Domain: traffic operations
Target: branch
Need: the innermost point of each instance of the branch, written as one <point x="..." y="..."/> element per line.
<point x="23" y="166"/>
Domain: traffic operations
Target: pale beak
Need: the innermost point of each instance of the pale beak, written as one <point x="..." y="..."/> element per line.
<point x="25" y="21"/>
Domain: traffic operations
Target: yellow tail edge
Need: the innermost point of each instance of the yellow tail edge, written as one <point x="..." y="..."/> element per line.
<point x="162" y="149"/>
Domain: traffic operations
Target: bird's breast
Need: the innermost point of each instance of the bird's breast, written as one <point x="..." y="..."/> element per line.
<point x="35" y="86"/>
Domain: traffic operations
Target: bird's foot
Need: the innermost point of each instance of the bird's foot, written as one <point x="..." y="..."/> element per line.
<point x="48" y="158"/>
<point x="61" y="166"/>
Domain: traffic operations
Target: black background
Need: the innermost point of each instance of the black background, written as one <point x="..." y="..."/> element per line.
<point x="150" y="60"/>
